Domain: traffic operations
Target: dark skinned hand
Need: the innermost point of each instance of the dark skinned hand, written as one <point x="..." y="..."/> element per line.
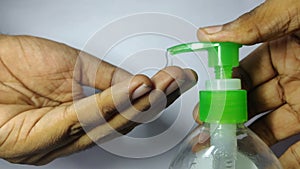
<point x="44" y="112"/>
<point x="271" y="73"/>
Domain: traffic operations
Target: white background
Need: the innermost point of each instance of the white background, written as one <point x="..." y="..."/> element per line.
<point x="74" y="22"/>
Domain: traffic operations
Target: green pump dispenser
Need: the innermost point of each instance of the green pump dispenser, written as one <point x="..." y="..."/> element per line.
<point x="220" y="105"/>
<point x="222" y="142"/>
<point x="223" y="56"/>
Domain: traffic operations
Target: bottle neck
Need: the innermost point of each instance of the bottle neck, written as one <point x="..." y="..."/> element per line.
<point x="220" y="126"/>
<point x="223" y="72"/>
<point x="223" y="84"/>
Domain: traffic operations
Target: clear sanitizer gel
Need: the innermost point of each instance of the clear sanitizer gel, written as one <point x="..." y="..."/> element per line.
<point x="222" y="141"/>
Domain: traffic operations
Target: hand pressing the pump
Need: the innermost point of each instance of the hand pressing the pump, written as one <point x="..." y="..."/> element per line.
<point x="270" y="73"/>
<point x="43" y="107"/>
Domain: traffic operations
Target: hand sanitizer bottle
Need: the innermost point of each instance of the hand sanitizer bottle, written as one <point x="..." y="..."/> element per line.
<point x="222" y="141"/>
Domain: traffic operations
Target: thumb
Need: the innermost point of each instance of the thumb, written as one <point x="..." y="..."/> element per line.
<point x="270" y="20"/>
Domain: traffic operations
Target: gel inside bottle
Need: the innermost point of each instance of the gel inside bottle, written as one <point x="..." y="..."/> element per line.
<point x="222" y="142"/>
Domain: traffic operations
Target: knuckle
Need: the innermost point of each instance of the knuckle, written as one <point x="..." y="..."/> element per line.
<point x="75" y="130"/>
<point x="68" y="127"/>
<point x="141" y="79"/>
<point x="175" y="71"/>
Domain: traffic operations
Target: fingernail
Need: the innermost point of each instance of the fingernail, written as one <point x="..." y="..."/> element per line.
<point x="212" y="29"/>
<point x="191" y="74"/>
<point x="140" y="91"/>
<point x="174" y="86"/>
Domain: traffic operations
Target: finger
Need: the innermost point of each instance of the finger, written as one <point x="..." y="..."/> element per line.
<point x="143" y="108"/>
<point x="196" y="114"/>
<point x="270" y="20"/>
<point x="99" y="108"/>
<point x="178" y="81"/>
<point x="168" y="79"/>
<point x="183" y="81"/>
<point x="190" y="80"/>
<point x="97" y="73"/>
<point x="130" y="117"/>
<point x="260" y="78"/>
<point x="291" y="157"/>
<point x="257" y="68"/>
<point x="115" y="127"/>
<point x="169" y="84"/>
<point x="267" y="96"/>
<point x="174" y="77"/>
<point x="278" y="125"/>
<point x="200" y="142"/>
<point x="269" y="74"/>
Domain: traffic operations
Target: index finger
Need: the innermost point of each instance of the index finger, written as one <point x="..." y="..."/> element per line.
<point x="271" y="20"/>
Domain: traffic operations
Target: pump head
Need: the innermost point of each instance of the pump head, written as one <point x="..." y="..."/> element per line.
<point x="223" y="101"/>
<point x="222" y="56"/>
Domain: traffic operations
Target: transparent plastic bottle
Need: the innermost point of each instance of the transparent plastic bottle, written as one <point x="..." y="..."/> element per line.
<point x="222" y="142"/>
<point x="197" y="152"/>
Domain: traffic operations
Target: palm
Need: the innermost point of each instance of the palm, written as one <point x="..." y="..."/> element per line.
<point x="36" y="89"/>
<point x="39" y="75"/>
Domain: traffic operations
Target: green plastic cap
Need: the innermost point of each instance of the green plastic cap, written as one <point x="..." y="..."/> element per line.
<point x="223" y="56"/>
<point x="227" y="107"/>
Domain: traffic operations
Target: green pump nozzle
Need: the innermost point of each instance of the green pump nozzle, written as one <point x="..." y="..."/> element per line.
<point x="223" y="56"/>
<point x="223" y="101"/>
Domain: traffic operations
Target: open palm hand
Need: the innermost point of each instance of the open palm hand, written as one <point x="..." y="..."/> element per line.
<point x="43" y="107"/>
